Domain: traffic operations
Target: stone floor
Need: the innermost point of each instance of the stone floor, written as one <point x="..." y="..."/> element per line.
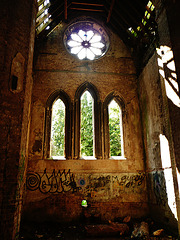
<point x="54" y="231"/>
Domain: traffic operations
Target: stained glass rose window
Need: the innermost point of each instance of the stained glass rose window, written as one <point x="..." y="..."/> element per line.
<point x="86" y="40"/>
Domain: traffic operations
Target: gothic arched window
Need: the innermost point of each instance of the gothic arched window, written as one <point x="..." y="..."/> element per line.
<point x="58" y="124"/>
<point x="87" y="99"/>
<point x="57" y="140"/>
<point x="113" y="127"/>
<point x="87" y="125"/>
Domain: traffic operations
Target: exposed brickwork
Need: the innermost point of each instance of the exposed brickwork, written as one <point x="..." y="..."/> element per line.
<point x="15" y="39"/>
<point x="113" y="188"/>
<point x="160" y="117"/>
<point x="56" y="69"/>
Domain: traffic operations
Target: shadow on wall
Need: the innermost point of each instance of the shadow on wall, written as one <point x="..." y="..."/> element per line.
<point x="167" y="70"/>
<point x="163" y="204"/>
<point x="166" y="180"/>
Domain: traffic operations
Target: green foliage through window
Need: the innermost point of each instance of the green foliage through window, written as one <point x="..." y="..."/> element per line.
<point x="86" y="124"/>
<point x="115" y="129"/>
<point x="57" y="129"/>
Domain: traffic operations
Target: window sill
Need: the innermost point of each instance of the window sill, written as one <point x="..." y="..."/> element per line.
<point x="57" y="158"/>
<point x="117" y="158"/>
<point x="61" y="158"/>
<point x="88" y="158"/>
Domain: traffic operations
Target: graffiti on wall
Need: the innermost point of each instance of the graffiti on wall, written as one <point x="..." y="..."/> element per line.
<point x="99" y="181"/>
<point x="52" y="183"/>
<point x="160" y="188"/>
<point x="91" y="185"/>
<point x="98" y="186"/>
<point x="129" y="182"/>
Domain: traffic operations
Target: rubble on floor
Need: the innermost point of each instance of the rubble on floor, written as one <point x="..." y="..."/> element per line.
<point x="125" y="229"/>
<point x="140" y="230"/>
<point x="105" y="230"/>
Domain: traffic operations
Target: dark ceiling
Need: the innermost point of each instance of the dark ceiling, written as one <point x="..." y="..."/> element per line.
<point x="132" y="20"/>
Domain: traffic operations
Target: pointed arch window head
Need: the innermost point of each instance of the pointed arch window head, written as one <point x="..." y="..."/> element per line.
<point x="87" y="125"/>
<point x="57" y="139"/>
<point x="86" y="40"/>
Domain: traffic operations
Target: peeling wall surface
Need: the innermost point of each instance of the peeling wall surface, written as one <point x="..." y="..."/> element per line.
<point x="113" y="188"/>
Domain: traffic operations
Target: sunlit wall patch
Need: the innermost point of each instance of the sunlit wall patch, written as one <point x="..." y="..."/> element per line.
<point x="86" y="40"/>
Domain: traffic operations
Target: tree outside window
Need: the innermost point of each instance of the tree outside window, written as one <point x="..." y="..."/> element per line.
<point x="115" y="131"/>
<point x="87" y="131"/>
<point x="57" y="145"/>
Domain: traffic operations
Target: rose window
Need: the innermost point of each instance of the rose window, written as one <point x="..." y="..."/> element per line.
<point x="86" y="40"/>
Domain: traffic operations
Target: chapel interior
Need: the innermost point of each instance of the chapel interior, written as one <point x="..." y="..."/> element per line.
<point x="121" y="51"/>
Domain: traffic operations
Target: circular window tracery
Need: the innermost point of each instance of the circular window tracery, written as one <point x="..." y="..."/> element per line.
<point x="86" y="40"/>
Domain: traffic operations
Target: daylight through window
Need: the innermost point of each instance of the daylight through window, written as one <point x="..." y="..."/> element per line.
<point x="86" y="40"/>
<point x="57" y="140"/>
<point x="115" y="129"/>
<point x="86" y="44"/>
<point x="84" y="129"/>
<point x="87" y="123"/>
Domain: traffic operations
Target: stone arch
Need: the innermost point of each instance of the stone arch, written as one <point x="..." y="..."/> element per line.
<point x="97" y="120"/>
<point x="112" y="96"/>
<point x="58" y="94"/>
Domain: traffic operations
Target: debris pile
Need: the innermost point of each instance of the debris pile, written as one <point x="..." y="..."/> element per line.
<point x="105" y="230"/>
<point x="126" y="228"/>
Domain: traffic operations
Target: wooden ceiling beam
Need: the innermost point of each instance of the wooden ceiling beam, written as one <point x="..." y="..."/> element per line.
<point x="119" y="23"/>
<point x="135" y="10"/>
<point x="65" y="9"/>
<point x="88" y="4"/>
<point x="87" y="9"/>
<point x="43" y="9"/>
<point x="110" y="10"/>
<point x="45" y="32"/>
<point x="125" y="35"/>
<point x="141" y="4"/>
<point x="119" y="18"/>
<point x="130" y="16"/>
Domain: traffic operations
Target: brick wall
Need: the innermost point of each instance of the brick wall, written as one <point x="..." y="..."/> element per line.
<point x="15" y="36"/>
<point x="159" y="100"/>
<point x="55" y="69"/>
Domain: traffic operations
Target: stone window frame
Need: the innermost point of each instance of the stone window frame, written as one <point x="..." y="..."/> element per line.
<point x="112" y="96"/>
<point x="72" y="123"/>
<point x="97" y="120"/>
<point x="59" y="94"/>
<point x="86" y="25"/>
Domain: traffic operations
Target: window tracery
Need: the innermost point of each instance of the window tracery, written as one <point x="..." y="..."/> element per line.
<point x="113" y="127"/>
<point x="86" y="40"/>
<point x="105" y="125"/>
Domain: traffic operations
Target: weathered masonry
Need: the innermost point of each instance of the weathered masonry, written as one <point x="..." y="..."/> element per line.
<point x="119" y="53"/>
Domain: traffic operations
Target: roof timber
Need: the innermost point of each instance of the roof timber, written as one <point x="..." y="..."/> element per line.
<point x="126" y="17"/>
